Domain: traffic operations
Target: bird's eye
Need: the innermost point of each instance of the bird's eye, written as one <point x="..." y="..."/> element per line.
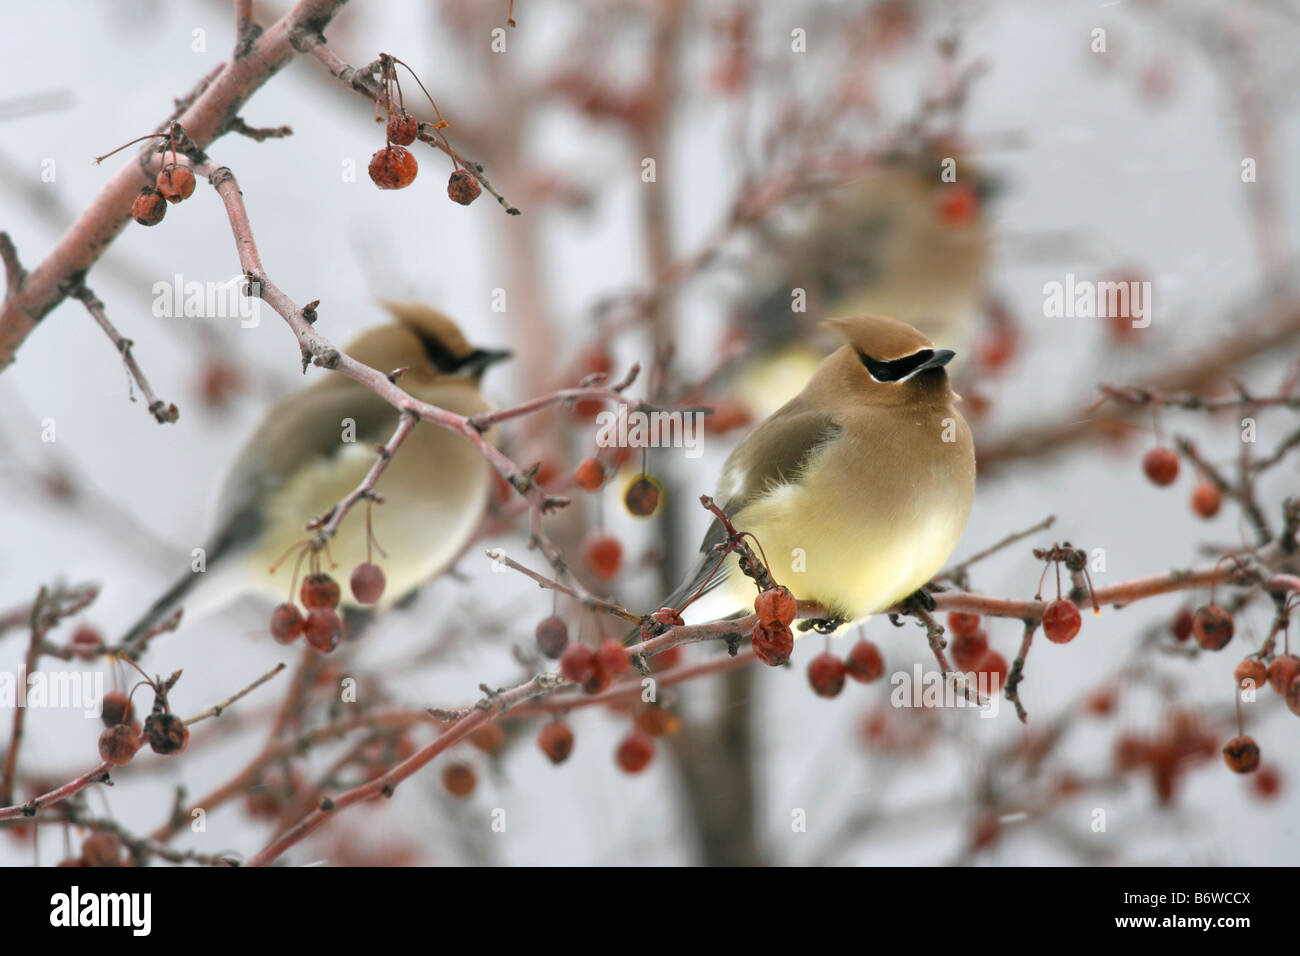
<point x="896" y="369"/>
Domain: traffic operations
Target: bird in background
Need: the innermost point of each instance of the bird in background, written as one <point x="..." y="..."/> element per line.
<point x="899" y="241"/>
<point x="857" y="489"/>
<point x="314" y="446"/>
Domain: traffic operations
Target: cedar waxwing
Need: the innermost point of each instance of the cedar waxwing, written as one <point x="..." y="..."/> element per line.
<point x="898" y="241"/>
<point x="859" y="488"/>
<point x="315" y="446"/>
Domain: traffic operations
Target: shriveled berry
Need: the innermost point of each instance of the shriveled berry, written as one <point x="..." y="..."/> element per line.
<point x="1207" y="499"/>
<point x="102" y="848"/>
<point x="656" y="721"/>
<point x="166" y="733"/>
<point x="772" y="645"/>
<point x="552" y="635"/>
<point x="1267" y="783"/>
<point x="1293" y="697"/>
<point x="1161" y="465"/>
<point x="776" y="607"/>
<point x="402" y="129"/>
<point x="556" y="741"/>
<point x="1282" y="672"/>
<point x="635" y="752"/>
<point x="118" y="744"/>
<point x="319" y="590"/>
<point x="961" y="623"/>
<point x="1250" y="673"/>
<point x="642" y="496"/>
<point x="968" y="650"/>
<point x="668" y="617"/>
<point x="612" y="657"/>
<point x="1212" y="626"/>
<point x="116" y="709"/>
<point x="86" y="642"/>
<point x="865" y="662"/>
<point x="323" y="629"/>
<point x="286" y="623"/>
<point x="826" y="674"/>
<point x="175" y="182"/>
<point x="589" y="475"/>
<point x="604" y="555"/>
<point x="149" y="207"/>
<point x="578" y="662"/>
<point x="367" y="582"/>
<point x="1241" y="754"/>
<point x="666" y="660"/>
<point x="1181" y="626"/>
<point x="489" y="738"/>
<point x="462" y="187"/>
<point x="1061" y="621"/>
<point x="393" y="167"/>
<point x="459" y="779"/>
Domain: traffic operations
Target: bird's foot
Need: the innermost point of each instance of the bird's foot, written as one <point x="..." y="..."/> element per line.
<point x="823" y="625"/>
<point x="919" y="600"/>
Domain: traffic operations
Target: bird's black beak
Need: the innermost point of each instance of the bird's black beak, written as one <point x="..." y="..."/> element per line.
<point x="940" y="358"/>
<point x="480" y="359"/>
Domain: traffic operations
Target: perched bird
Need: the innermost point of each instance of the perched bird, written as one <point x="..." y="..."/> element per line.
<point x="899" y="241"/>
<point x="315" y="446"/>
<point x="857" y="489"/>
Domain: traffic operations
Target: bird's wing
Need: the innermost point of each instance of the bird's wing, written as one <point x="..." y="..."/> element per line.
<point x="304" y="426"/>
<point x="773" y="454"/>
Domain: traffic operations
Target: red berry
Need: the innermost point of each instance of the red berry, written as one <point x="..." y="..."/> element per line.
<point x="556" y="741"/>
<point x="612" y="657"/>
<point x="995" y="666"/>
<point x="116" y="709"/>
<point x="668" y="617"/>
<point x="1212" y="626"/>
<point x="578" y="663"/>
<point x="489" y="738"/>
<point x="642" y="496"/>
<point x="1206" y="499"/>
<point x="666" y="660"/>
<point x="1293" y="697"/>
<point x="773" y="646"/>
<point x="969" y="649"/>
<point x="166" y="733"/>
<point x="1250" y="670"/>
<point x="102" y="848"/>
<point x="589" y="475"/>
<point x="86" y="642"/>
<point x="323" y="629"/>
<point x="1282" y="672"/>
<point x="149" y="207"/>
<point x="402" y="129"/>
<point x="604" y="555"/>
<point x="1267" y="783"/>
<point x="1161" y="465"/>
<point x="826" y="674"/>
<point x="319" y="590"/>
<point x="393" y="167"/>
<point x="635" y="752"/>
<point x="286" y="623"/>
<point x="656" y="721"/>
<point x="1061" y="621"/>
<point x="958" y="204"/>
<point x="961" y="623"/>
<point x="552" y="635"/>
<point x="367" y="583"/>
<point x="118" y="744"/>
<point x="459" y="779"/>
<point x="865" y="662"/>
<point x="1241" y="754"/>
<point x="463" y="188"/>
<point x="776" y="607"/>
<point x="1181" y="625"/>
<point x="175" y="182"/>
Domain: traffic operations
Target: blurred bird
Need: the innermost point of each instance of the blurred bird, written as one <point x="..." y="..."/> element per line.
<point x="899" y="241"/>
<point x="858" y="489"/>
<point x="315" y="446"/>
